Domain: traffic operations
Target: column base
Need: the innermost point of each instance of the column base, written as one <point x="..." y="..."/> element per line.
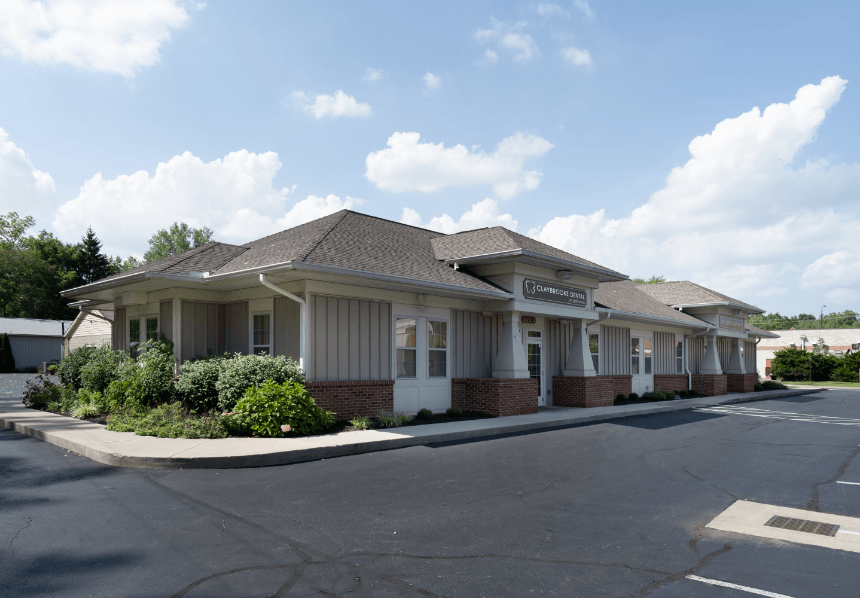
<point x="495" y="396"/>
<point x="741" y="382"/>
<point x="710" y="385"/>
<point x="588" y="391"/>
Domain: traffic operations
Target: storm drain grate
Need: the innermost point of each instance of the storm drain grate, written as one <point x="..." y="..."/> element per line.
<point x="802" y="525"/>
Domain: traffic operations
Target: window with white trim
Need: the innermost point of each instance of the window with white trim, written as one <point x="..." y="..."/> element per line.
<point x="134" y="331"/>
<point x="679" y="357"/>
<point x="262" y="334"/>
<point x="437" y="346"/>
<point x="593" y="347"/>
<point x="151" y="329"/>
<point x="406" y="337"/>
<point x="647" y="354"/>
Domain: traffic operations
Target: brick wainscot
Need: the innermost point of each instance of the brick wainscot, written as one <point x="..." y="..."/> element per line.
<point x="592" y="391"/>
<point x="495" y="396"/>
<point x="710" y="385"/>
<point x="670" y="381"/>
<point x="741" y="382"/>
<point x="349" y="399"/>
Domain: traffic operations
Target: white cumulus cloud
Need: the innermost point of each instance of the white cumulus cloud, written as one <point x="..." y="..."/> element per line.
<point x="431" y="80"/>
<point x="23" y="188"/>
<point x="577" y="56"/>
<point x="112" y="36"/>
<point x="521" y="43"/>
<point x="482" y="214"/>
<point x="506" y="36"/>
<point x="834" y="270"/>
<point x="545" y="9"/>
<point x="234" y="196"/>
<point x="407" y="164"/>
<point x="585" y="9"/>
<point x="372" y="74"/>
<point x="323" y="105"/>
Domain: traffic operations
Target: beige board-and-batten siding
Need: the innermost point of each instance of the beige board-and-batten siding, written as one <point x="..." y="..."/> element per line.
<point x="616" y="355"/>
<point x="350" y="339"/>
<point x="473" y="343"/>
<point x="664" y="353"/>
<point x="750" y="357"/>
<point x="212" y="328"/>
<point x="120" y="336"/>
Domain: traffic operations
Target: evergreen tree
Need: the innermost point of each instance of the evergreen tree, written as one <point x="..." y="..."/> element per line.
<point x="93" y="265"/>
<point x="7" y="360"/>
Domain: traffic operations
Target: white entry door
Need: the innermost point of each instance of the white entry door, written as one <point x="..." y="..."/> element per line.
<point x="534" y="356"/>
<point x="641" y="364"/>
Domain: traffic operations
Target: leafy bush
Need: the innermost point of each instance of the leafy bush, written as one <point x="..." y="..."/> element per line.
<point x="197" y="383"/>
<point x="424" y="414"/>
<point x="684" y="394"/>
<point x="39" y="393"/>
<point x="633" y="397"/>
<point x="771" y="385"/>
<point x="659" y="395"/>
<point x="102" y="368"/>
<point x="795" y="364"/>
<point x="404" y="419"/>
<point x="758" y="387"/>
<point x="388" y="419"/>
<point x="70" y="367"/>
<point x="362" y="422"/>
<point x="847" y="368"/>
<point x="620" y="397"/>
<point x="274" y="409"/>
<point x="165" y="421"/>
<point x="454" y="412"/>
<point x="242" y="372"/>
<point x="90" y="404"/>
<point x="7" y="359"/>
<point x="151" y="379"/>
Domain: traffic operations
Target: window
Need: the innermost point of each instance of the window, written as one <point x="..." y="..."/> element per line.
<point x="151" y="329"/>
<point x="679" y="357"/>
<point x="533" y="334"/>
<point x="262" y="334"/>
<point x="593" y="346"/>
<point x="647" y="354"/>
<point x="134" y="331"/>
<point x="634" y="355"/>
<point x="437" y="343"/>
<point x="406" y="347"/>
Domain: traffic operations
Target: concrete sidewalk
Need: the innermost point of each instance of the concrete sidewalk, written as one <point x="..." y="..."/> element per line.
<point x="125" y="449"/>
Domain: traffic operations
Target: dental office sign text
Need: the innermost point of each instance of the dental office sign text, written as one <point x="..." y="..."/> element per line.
<point x="545" y="291"/>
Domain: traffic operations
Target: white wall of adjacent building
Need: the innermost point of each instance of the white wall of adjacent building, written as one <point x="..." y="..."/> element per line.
<point x="838" y="339"/>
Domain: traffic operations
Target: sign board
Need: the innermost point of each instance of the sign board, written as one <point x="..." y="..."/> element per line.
<point x="528" y="320"/>
<point x="555" y="293"/>
<point x="731" y="323"/>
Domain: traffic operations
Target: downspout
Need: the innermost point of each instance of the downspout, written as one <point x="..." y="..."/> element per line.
<point x="303" y="320"/>
<point x="608" y="315"/>
<point x="757" y="341"/>
<point x="687" y="356"/>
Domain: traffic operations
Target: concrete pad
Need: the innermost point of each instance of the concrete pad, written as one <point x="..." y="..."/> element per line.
<point x="749" y="518"/>
<point x="129" y="450"/>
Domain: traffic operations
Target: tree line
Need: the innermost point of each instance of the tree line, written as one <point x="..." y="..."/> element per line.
<point x="35" y="268"/>
<point x="775" y="321"/>
<point x="820" y="364"/>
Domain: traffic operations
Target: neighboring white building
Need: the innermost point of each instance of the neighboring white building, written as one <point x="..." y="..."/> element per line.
<point x="840" y="341"/>
<point x="89" y="328"/>
<point x="34" y="341"/>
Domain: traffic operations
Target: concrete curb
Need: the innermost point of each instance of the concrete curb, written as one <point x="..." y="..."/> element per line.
<point x="377" y="440"/>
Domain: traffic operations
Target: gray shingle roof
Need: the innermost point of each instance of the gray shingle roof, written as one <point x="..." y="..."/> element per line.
<point x="626" y="295"/>
<point x="205" y="258"/>
<point x="498" y="239"/>
<point x="29" y="327"/>
<point x="684" y="292"/>
<point x="760" y="331"/>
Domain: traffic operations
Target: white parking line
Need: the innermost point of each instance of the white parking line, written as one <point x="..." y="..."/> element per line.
<point x="787" y="415"/>
<point x="842" y="531"/>
<point x="735" y="586"/>
<point x="851" y="483"/>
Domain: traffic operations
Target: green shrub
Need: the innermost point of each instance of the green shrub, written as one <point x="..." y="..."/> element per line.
<point x="70" y="367"/>
<point x="424" y="414"/>
<point x="772" y="385"/>
<point x="847" y="368"/>
<point x="151" y="378"/>
<point x="197" y="383"/>
<point x="89" y="403"/>
<point x="633" y="397"/>
<point x="454" y="412"/>
<point x="684" y="394"/>
<point x="165" y="421"/>
<point x="404" y="419"/>
<point x="620" y="397"/>
<point x="388" y="419"/>
<point x="242" y="372"/>
<point x="361" y="422"/>
<point x="102" y="368"/>
<point x="7" y="359"/>
<point x="39" y="393"/>
<point x="273" y="409"/>
<point x="758" y="387"/>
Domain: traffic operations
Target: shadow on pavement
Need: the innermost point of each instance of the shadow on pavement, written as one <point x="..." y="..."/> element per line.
<point x="661" y="421"/>
<point x="55" y="573"/>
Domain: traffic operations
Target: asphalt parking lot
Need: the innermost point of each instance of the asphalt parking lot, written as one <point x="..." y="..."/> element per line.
<point x="608" y="509"/>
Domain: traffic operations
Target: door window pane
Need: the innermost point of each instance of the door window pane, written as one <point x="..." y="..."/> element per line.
<point x="679" y="357"/>
<point x="262" y="334"/>
<point x="437" y="342"/>
<point x="647" y="354"/>
<point x="151" y="329"/>
<point x="134" y="331"/>
<point x="534" y="363"/>
<point x="634" y="355"/>
<point x="406" y="340"/>
<point x="593" y="346"/>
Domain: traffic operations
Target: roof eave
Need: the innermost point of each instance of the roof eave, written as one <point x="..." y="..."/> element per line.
<point x="636" y="315"/>
<point x="603" y="274"/>
<point x="754" y="310"/>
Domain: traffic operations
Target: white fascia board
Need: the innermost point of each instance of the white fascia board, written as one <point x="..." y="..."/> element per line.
<point x="636" y="317"/>
<point x="754" y="310"/>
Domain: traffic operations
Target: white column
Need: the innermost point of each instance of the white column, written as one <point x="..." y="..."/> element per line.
<point x="511" y="358"/>
<point x="579" y="356"/>
<point x="736" y="361"/>
<point x="711" y="359"/>
<point x="177" y="331"/>
<point x="304" y="337"/>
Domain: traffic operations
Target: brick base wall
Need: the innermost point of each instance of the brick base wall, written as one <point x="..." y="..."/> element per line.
<point x="349" y="399"/>
<point x="495" y="396"/>
<point x="741" y="382"/>
<point x="579" y="391"/>
<point x="710" y="385"/>
<point x="621" y="385"/>
<point x="670" y="381"/>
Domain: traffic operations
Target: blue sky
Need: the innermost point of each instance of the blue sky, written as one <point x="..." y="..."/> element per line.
<point x="561" y="120"/>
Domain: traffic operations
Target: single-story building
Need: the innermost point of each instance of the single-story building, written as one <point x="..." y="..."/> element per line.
<point x="91" y="327"/>
<point x="841" y="341"/>
<point x="382" y="315"/>
<point x="33" y="341"/>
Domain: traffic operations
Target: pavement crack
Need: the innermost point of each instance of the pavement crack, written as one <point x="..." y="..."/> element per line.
<point x="688" y="472"/>
<point x="703" y="562"/>
<point x="298" y="572"/>
<point x="812" y="505"/>
<point x="698" y="530"/>
<point x="15" y="537"/>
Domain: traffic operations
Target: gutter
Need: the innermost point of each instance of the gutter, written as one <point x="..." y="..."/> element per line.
<point x="634" y="315"/>
<point x="303" y="322"/>
<point x="687" y="356"/>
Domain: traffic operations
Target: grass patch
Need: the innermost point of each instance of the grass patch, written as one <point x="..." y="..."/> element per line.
<point x="824" y="383"/>
<point x="166" y="421"/>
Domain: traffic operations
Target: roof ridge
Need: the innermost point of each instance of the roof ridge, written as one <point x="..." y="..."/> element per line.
<point x="314" y="244"/>
<point x="203" y="249"/>
<point x="421" y="228"/>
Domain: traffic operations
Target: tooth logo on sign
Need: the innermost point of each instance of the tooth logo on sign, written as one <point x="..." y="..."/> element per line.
<point x="530" y="287"/>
